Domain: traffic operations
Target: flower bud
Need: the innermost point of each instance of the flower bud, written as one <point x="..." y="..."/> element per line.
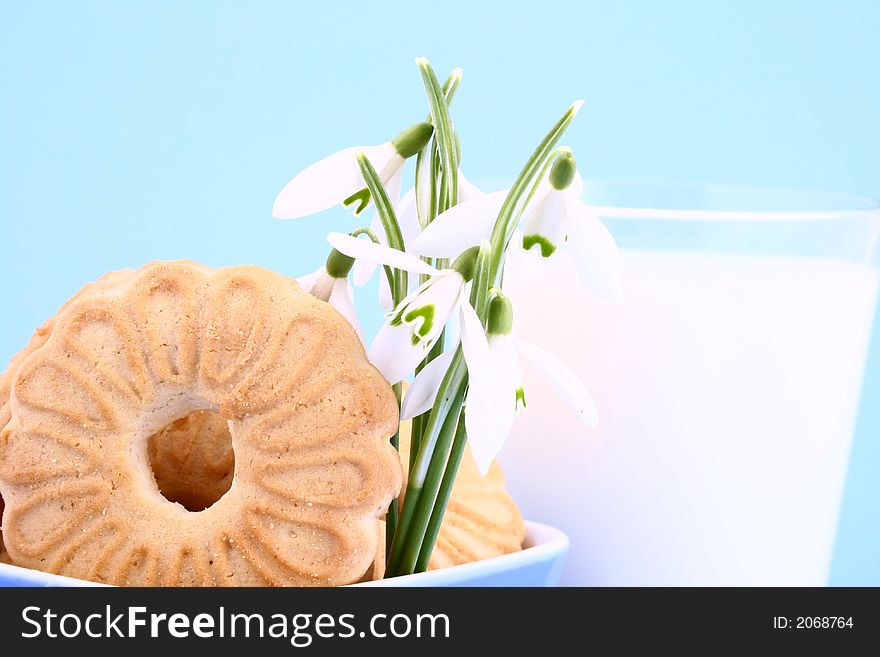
<point x="466" y="263"/>
<point x="338" y="264"/>
<point x="563" y="170"/>
<point x="413" y="139"/>
<point x="500" y="316"/>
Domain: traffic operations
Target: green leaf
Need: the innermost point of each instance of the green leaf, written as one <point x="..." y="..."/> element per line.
<point x="444" y="133"/>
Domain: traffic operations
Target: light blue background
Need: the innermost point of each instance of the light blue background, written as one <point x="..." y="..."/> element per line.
<point x="131" y="131"/>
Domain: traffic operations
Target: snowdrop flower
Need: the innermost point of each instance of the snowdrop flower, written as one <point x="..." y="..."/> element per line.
<point x="510" y="400"/>
<point x="407" y="217"/>
<point x="338" y="179"/>
<point x="417" y="322"/>
<point x="415" y="326"/>
<point x="330" y="283"/>
<point x="555" y="218"/>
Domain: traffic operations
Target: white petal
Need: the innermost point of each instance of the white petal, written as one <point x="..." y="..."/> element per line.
<point x="593" y="250"/>
<point x="319" y="284"/>
<point x="577" y="185"/>
<point x="505" y="361"/>
<point x="423" y="202"/>
<point x="341" y="298"/>
<point x="460" y="227"/>
<point x="363" y="268"/>
<point x="386" y="298"/>
<point x="467" y="191"/>
<point x="411" y="331"/>
<point x="444" y="292"/>
<point x="392" y="178"/>
<point x="570" y="388"/>
<point x="394" y="354"/>
<point x="308" y="281"/>
<point x="453" y="325"/>
<point x="378" y="253"/>
<point x="484" y="413"/>
<point x="421" y="394"/>
<point x="545" y="223"/>
<point x="408" y="218"/>
<point x="328" y="182"/>
<point x="544" y="188"/>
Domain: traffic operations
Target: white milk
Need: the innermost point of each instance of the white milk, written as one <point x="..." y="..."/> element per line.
<point x="727" y="389"/>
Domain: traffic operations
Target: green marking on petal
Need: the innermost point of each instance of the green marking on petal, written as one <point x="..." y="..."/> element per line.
<point x="520" y="399"/>
<point x="361" y="197"/>
<point x="426" y="313"/>
<point x="547" y="247"/>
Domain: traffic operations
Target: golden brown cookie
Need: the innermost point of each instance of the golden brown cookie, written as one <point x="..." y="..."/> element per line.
<point x="38" y="339"/>
<point x="481" y="519"/>
<point x="309" y="419"/>
<point x="192" y="459"/>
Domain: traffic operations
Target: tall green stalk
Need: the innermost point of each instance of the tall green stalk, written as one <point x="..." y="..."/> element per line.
<point x="398" y="281"/>
<point x="425" y="504"/>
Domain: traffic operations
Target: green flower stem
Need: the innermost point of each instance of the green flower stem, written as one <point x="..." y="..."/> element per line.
<point x="481" y="285"/>
<point x="443" y="195"/>
<point x="398" y="281"/>
<point x="450" y="395"/>
<point x="424" y="478"/>
<point x="444" y="133"/>
<point x="512" y="209"/>
<point x="432" y="464"/>
<point x="389" y="221"/>
<point x="436" y="520"/>
<point x="363" y="230"/>
<point x="393" y="514"/>
<point x="430" y="503"/>
<point x="423" y="160"/>
<point x="413" y="529"/>
<point x="426" y="215"/>
<point x="445" y="472"/>
<point x="439" y="440"/>
<point x="383" y="203"/>
<point x="451" y="85"/>
<point x="417" y="427"/>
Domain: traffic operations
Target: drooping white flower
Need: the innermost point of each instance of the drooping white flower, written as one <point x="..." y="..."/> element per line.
<point x="508" y="398"/>
<point x="407" y="218"/>
<point x="415" y="325"/>
<point x="556" y="220"/>
<point x="330" y="283"/>
<point x="337" y="178"/>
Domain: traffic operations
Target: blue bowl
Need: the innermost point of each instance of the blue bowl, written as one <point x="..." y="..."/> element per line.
<point x="539" y="563"/>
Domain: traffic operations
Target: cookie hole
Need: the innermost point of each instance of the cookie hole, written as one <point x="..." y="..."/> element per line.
<point x="192" y="460"/>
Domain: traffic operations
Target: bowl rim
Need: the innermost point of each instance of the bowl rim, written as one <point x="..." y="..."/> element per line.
<point x="542" y="543"/>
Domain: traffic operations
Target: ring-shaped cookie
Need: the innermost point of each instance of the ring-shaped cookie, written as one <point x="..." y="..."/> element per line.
<point x="308" y="415"/>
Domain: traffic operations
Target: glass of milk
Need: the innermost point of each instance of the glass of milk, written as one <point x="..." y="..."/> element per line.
<point x="727" y="382"/>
